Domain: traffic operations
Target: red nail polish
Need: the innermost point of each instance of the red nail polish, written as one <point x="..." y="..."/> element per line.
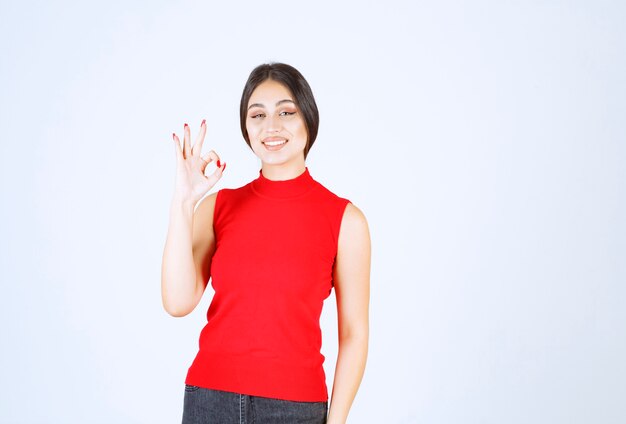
<point x="218" y="164"/>
<point x="224" y="167"/>
<point x="174" y="136"/>
<point x="203" y="122"/>
<point x="186" y="125"/>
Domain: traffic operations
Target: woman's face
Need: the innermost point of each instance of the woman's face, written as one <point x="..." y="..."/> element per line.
<point x="275" y="126"/>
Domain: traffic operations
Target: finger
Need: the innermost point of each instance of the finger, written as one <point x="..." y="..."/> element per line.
<point x="186" y="146"/>
<point x="179" y="153"/>
<point x="210" y="157"/>
<point x="216" y="175"/>
<point x="197" y="146"/>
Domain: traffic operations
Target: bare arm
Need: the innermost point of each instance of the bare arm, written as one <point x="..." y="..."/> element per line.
<point x="352" y="283"/>
<point x="187" y="256"/>
<point x="190" y="240"/>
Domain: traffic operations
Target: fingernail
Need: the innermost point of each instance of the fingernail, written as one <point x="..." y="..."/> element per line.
<point x="186" y="125"/>
<point x="224" y="167"/>
<point x="174" y="136"/>
<point x="203" y="122"/>
<point x="218" y="164"/>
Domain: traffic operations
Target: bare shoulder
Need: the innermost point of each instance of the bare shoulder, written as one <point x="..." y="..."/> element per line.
<point x="205" y="208"/>
<point x="353" y="218"/>
<point x="352" y="270"/>
<point x="203" y="221"/>
<point x="354" y="228"/>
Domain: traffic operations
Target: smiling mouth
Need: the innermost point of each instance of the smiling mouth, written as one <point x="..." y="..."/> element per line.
<point x="274" y="142"/>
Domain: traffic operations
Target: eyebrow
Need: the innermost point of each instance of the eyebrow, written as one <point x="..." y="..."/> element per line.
<point x="277" y="103"/>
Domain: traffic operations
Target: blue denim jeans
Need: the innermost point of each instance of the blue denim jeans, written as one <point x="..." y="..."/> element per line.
<point x="209" y="406"/>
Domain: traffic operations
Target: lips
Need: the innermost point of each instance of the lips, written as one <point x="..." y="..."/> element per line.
<point x="274" y="143"/>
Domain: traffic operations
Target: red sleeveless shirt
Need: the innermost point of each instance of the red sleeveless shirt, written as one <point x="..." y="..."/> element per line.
<point x="272" y="269"/>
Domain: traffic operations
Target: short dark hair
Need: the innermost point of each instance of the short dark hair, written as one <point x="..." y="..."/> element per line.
<point x="291" y="78"/>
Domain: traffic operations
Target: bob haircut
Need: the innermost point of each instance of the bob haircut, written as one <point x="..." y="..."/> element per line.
<point x="291" y="78"/>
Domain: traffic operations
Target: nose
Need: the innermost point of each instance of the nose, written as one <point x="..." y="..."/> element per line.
<point x="272" y="124"/>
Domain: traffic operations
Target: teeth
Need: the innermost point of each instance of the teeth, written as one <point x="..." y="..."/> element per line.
<point x="275" y="143"/>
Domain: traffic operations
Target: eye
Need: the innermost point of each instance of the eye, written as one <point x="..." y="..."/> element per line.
<point x="256" y="115"/>
<point x="285" y="113"/>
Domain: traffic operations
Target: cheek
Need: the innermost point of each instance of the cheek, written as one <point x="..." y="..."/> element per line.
<point x="252" y="128"/>
<point x="298" y="128"/>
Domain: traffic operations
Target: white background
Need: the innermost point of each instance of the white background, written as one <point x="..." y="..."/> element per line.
<point x="483" y="140"/>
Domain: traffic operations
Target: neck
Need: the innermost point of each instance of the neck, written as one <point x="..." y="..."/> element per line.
<point x="283" y="171"/>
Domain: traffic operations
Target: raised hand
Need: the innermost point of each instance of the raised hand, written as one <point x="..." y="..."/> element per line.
<point x="191" y="183"/>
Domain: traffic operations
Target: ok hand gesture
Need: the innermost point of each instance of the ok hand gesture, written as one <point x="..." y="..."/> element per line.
<point x="191" y="183"/>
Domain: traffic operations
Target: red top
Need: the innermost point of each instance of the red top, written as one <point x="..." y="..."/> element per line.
<point x="276" y="243"/>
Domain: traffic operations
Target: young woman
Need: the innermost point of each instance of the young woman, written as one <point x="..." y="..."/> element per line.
<point x="273" y="249"/>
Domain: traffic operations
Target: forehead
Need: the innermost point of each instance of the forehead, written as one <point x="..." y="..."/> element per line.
<point x="269" y="92"/>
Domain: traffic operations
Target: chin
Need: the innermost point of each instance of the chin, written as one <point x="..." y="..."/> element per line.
<point x="274" y="160"/>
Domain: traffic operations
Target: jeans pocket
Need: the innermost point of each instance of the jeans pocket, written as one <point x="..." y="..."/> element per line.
<point x="190" y="388"/>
